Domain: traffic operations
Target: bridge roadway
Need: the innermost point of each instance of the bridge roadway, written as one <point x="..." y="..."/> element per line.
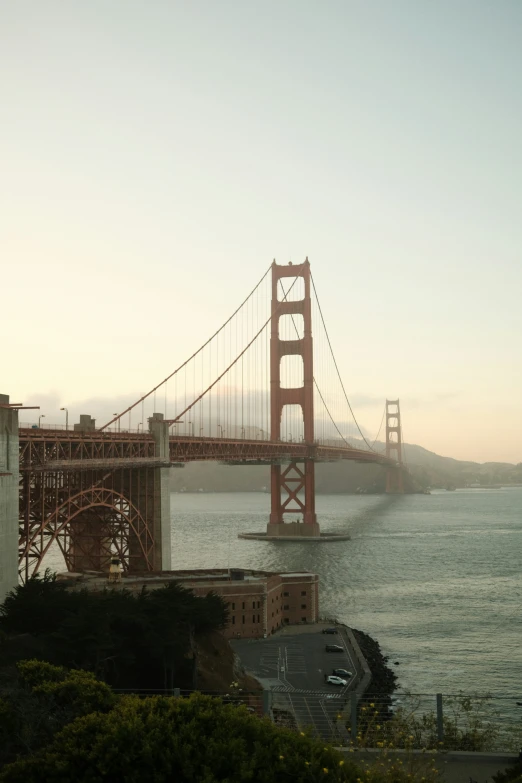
<point x="58" y="449"/>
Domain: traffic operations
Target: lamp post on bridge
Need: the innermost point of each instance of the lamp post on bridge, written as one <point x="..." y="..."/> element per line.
<point x="119" y="421"/>
<point x="66" y="418"/>
<point x="40" y="417"/>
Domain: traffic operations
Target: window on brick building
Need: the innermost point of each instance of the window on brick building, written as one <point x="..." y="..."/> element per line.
<point x="233" y="606"/>
<point x="243" y="619"/>
<point x="233" y="619"/>
<point x="303" y="619"/>
<point x="303" y="592"/>
<point x="303" y="606"/>
<point x="272" y="614"/>
<point x="243" y="605"/>
<point x="258" y="620"/>
<point x="253" y="604"/>
<point x="286" y="595"/>
<point x="286" y="620"/>
<point x="286" y="606"/>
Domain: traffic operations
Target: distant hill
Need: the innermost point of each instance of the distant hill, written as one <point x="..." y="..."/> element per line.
<point x="426" y="468"/>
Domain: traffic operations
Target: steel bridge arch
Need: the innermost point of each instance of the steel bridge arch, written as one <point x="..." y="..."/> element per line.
<point x="90" y="498"/>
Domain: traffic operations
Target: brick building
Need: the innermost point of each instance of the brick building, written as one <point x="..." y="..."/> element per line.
<point x="259" y="602"/>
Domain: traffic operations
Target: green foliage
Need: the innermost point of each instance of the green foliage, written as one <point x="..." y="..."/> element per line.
<point x="196" y="740"/>
<point x="42" y="701"/>
<point x="465" y="726"/>
<point x="143" y="641"/>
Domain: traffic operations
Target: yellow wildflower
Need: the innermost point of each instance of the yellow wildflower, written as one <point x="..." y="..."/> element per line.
<point x="325" y="770"/>
<point x="281" y="757"/>
<point x="341" y="763"/>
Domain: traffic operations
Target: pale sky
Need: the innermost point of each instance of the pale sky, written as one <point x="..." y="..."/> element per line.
<point x="156" y="156"/>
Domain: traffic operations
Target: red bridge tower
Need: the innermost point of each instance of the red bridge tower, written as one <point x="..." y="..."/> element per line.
<point x="292" y="486"/>
<point x="394" y="477"/>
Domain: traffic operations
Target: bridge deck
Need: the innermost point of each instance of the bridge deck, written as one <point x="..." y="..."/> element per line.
<point x="43" y="449"/>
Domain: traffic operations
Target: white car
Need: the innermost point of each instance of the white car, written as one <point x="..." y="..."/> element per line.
<point x="333" y="680"/>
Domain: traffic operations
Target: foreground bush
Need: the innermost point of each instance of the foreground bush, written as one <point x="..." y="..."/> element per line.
<point x="196" y="740"/>
<point x="39" y="699"/>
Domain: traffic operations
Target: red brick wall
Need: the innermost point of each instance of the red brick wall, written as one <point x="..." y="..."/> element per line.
<point x="300" y="599"/>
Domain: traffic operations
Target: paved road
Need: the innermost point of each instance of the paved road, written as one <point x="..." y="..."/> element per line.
<point x="296" y="664"/>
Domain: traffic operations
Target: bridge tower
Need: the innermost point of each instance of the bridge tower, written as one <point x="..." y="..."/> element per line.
<point x="394" y="476"/>
<point x="293" y="485"/>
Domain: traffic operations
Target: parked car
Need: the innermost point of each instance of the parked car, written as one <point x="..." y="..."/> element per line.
<point x="331" y="680"/>
<point x="342" y="673"/>
<point x="330" y="630"/>
<point x="334" y="648"/>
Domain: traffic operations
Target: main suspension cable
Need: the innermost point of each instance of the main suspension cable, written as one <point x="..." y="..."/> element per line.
<point x="190" y="358"/>
<point x="335" y="364"/>
<point x="314" y="379"/>
<point x="245" y="349"/>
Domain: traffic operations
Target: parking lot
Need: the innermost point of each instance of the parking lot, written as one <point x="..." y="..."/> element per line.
<point x="294" y="662"/>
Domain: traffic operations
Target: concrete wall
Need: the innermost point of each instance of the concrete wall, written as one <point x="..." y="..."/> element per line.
<point x="162" y="529"/>
<point x="9" y="462"/>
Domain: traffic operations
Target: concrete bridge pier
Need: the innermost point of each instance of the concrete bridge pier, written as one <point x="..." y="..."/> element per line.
<point x="159" y="430"/>
<point x="9" y="480"/>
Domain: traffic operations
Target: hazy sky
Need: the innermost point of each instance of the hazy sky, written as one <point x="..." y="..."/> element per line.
<point x="155" y="156"/>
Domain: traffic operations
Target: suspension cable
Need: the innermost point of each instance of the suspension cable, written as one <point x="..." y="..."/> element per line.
<point x="245" y="349"/>
<point x="314" y="379"/>
<point x="335" y="364"/>
<point x="380" y="427"/>
<point x="190" y="358"/>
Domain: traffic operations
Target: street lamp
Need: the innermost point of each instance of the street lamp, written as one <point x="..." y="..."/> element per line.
<point x="40" y="417"/>
<point x="191" y="423"/>
<point x="139" y="425"/>
<point x="119" y="421"/>
<point x="66" y="417"/>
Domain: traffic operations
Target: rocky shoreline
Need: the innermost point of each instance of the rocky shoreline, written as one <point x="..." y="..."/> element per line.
<point x="384" y="680"/>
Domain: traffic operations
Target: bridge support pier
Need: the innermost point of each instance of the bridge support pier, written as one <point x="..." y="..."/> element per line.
<point x="161" y="499"/>
<point x="9" y="478"/>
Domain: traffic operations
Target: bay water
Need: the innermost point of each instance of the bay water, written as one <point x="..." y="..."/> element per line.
<point x="436" y="579"/>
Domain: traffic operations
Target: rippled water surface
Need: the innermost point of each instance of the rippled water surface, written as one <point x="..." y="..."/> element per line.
<point x="435" y="578"/>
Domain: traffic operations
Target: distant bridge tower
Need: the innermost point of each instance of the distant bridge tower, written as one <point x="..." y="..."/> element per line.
<point x="292" y="486"/>
<point x="394" y="475"/>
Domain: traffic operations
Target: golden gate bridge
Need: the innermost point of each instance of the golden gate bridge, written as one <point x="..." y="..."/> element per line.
<point x="261" y="390"/>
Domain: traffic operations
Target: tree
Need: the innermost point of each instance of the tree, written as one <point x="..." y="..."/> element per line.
<point x="143" y="641"/>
